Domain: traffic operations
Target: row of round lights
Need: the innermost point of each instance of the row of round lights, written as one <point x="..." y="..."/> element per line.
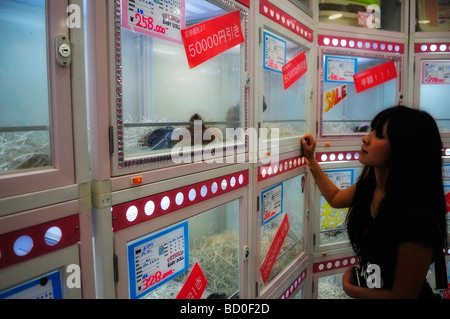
<point x="438" y="47"/>
<point x="361" y="44"/>
<point x="294" y="286"/>
<point x="179" y="199"/>
<point x="24" y="244"/>
<point x="333" y="264"/>
<point x="332" y="157"/>
<point x="268" y="171"/>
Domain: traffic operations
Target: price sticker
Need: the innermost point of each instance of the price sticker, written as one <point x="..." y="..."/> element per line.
<point x="156" y="259"/>
<point x="161" y="19"/>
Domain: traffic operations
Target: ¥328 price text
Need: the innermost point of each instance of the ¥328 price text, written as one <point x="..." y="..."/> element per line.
<point x="157" y="277"/>
<point x="147" y="23"/>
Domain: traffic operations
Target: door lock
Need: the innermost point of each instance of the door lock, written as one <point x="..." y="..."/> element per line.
<point x="64" y="51"/>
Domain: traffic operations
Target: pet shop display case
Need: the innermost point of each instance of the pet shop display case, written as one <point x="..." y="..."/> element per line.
<point x="327" y="275"/>
<point x="432" y="16"/>
<point x="329" y="234"/>
<point x="283" y="76"/>
<point x="42" y="130"/>
<point x="280" y="230"/>
<point x="357" y="79"/>
<point x="190" y="241"/>
<point x="167" y="112"/>
<point x="44" y="162"/>
<point x="363" y="15"/>
<point x="432" y="81"/>
<point x="45" y="253"/>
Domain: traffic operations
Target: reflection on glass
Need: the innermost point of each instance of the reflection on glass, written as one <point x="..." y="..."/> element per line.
<point x="372" y="14"/>
<point x="291" y="192"/>
<point x="435" y="91"/>
<point x="214" y="245"/>
<point x="282" y="109"/>
<point x="161" y="95"/>
<point x="344" y="111"/>
<point x="24" y="101"/>
<point x="433" y="15"/>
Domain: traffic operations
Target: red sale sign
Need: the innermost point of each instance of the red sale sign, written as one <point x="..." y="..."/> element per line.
<point x="205" y="40"/>
<point x="274" y="249"/>
<point x="375" y="76"/>
<point x="194" y="286"/>
<point x="294" y="69"/>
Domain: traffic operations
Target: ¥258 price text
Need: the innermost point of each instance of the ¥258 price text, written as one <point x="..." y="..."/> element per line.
<point x="147" y="23"/>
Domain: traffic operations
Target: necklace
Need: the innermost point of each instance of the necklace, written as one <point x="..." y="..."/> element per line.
<point x="373" y="211"/>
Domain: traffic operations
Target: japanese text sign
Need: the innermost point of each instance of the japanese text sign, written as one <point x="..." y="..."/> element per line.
<point x="294" y="70"/>
<point x="375" y="76"/>
<point x="205" y="40"/>
<point x="155" y="18"/>
<point x="194" y="286"/>
<point x="156" y="259"/>
<point x="274" y="249"/>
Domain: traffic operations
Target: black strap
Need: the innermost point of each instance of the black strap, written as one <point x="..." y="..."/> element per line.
<point x="440" y="270"/>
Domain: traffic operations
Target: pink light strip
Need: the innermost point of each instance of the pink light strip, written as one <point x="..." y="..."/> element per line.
<point x="144" y="209"/>
<point x="360" y="44"/>
<point x="275" y="169"/>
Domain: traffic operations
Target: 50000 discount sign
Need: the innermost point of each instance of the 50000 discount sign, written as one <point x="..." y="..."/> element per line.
<point x="205" y="40"/>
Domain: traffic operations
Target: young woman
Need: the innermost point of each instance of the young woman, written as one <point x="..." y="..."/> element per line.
<point x="397" y="209"/>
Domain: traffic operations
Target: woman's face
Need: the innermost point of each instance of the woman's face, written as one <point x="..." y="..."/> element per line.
<point x="376" y="149"/>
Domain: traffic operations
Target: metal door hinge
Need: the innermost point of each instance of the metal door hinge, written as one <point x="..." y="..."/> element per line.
<point x="63" y="51"/>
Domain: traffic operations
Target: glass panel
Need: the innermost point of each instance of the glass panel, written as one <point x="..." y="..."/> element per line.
<point x="352" y="112"/>
<point x="161" y="95"/>
<point x="282" y="109"/>
<point x="332" y="220"/>
<point x="433" y="15"/>
<point x="435" y="89"/>
<point x="213" y="238"/>
<point x="305" y="5"/>
<point x="24" y="101"/>
<point x="291" y="195"/>
<point x="330" y="287"/>
<point x="373" y="14"/>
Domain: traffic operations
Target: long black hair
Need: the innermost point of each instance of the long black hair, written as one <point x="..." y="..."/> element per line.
<point x="414" y="202"/>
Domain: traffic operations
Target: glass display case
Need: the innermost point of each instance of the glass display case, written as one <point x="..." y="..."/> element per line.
<point x="371" y="14"/>
<point x="160" y="263"/>
<point x="345" y="109"/>
<point x="327" y="276"/>
<point x="283" y="109"/>
<point x="432" y="15"/>
<point x="25" y="131"/>
<point x="304" y="5"/>
<point x="157" y="95"/>
<point x="330" y="287"/>
<point x="330" y="223"/>
<point x="36" y="149"/>
<point x="282" y="227"/>
<point x="433" y="79"/>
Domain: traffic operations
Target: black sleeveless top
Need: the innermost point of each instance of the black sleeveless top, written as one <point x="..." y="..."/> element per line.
<point x="381" y="241"/>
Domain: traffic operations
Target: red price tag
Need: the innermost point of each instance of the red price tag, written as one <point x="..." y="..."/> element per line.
<point x="205" y="40"/>
<point x="374" y="76"/>
<point x="274" y="249"/>
<point x="194" y="286"/>
<point x="294" y="69"/>
<point x="447" y="201"/>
